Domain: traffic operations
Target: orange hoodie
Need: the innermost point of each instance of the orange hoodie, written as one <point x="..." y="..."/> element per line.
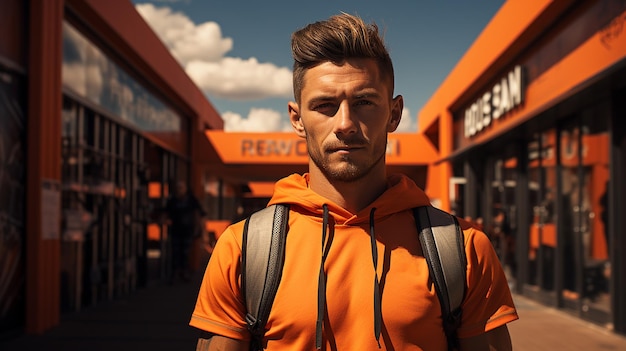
<point x="411" y="314"/>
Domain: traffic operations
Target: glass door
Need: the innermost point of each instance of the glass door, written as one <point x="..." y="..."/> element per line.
<point x="585" y="176"/>
<point x="542" y="233"/>
<point x="534" y="256"/>
<point x="502" y="225"/>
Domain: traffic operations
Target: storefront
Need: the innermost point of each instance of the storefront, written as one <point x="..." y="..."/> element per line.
<point x="97" y="122"/>
<point x="531" y="145"/>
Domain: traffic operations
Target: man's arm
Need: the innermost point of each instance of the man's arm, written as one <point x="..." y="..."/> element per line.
<point x="494" y="340"/>
<point x="222" y="343"/>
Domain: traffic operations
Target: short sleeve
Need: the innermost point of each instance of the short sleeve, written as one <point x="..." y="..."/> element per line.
<point x="488" y="303"/>
<point x="219" y="307"/>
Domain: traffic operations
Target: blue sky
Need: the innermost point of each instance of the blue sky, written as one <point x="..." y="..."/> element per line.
<point x="239" y="52"/>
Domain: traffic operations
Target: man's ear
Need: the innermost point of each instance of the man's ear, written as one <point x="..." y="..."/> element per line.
<point x="296" y="120"/>
<point x="396" y="113"/>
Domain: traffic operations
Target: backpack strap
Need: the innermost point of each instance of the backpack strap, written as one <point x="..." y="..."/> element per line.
<point x="442" y="243"/>
<point x="263" y="255"/>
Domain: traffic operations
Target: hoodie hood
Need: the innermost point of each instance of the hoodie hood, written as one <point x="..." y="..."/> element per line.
<point x="401" y="194"/>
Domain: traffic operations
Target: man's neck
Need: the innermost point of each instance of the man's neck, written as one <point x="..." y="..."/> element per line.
<point x="354" y="195"/>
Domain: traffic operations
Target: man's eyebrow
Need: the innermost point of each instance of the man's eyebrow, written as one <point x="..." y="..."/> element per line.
<point x="367" y="95"/>
<point x="321" y="98"/>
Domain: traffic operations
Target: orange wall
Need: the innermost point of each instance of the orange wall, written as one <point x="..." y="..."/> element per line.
<point x="476" y="65"/>
<point x="558" y="82"/>
<point x="513" y="29"/>
<point x="44" y="153"/>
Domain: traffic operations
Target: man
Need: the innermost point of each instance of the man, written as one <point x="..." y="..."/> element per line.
<point x="344" y="108"/>
<point x="183" y="212"/>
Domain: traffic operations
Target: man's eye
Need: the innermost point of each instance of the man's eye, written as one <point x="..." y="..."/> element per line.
<point x="363" y="102"/>
<point x="325" y="106"/>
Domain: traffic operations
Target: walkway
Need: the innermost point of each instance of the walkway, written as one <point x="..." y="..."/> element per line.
<point x="156" y="319"/>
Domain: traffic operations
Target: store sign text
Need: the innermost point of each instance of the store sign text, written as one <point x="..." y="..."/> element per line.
<point x="287" y="148"/>
<point x="493" y="104"/>
<point x="268" y="148"/>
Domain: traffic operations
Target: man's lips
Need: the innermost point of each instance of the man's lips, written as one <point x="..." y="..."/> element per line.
<point x="349" y="148"/>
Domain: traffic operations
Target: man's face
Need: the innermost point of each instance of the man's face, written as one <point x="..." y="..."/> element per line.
<point x="345" y="113"/>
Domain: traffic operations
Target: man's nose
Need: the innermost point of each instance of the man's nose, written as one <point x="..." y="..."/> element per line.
<point x="345" y="122"/>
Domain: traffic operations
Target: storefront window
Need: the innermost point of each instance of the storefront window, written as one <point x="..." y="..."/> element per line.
<point x="584" y="156"/>
<point x="105" y="208"/>
<point x="502" y="227"/>
<point x="570" y="198"/>
<point x="534" y="181"/>
<point x="12" y="193"/>
<point x="542" y="231"/>
<point x="596" y="243"/>
<point x="91" y="74"/>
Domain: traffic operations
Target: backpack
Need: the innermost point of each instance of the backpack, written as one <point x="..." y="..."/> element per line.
<point x="263" y="252"/>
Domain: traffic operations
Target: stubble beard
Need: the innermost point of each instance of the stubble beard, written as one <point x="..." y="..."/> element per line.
<point x="347" y="171"/>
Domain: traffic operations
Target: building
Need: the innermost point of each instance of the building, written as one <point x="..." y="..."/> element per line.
<point x="527" y="128"/>
<point x="97" y="120"/>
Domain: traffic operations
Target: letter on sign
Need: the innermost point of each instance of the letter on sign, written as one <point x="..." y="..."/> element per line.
<point x="494" y="103"/>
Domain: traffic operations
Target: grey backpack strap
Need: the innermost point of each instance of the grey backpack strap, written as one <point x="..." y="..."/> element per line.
<point x="442" y="242"/>
<point x="262" y="259"/>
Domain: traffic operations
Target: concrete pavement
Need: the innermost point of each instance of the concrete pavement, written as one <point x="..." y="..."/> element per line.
<point x="154" y="319"/>
<point x="543" y="328"/>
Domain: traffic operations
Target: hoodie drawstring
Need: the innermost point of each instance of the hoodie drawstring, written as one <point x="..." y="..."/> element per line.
<point x="321" y="287"/>
<point x="378" y="314"/>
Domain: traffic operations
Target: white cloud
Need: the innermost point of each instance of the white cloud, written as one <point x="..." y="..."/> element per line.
<point x="407" y="123"/>
<point x="237" y="79"/>
<point x="186" y="40"/>
<point x="201" y="49"/>
<point x="258" y="120"/>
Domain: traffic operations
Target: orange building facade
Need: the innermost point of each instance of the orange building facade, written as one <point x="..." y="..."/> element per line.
<point x="97" y="120"/>
<point x="527" y="128"/>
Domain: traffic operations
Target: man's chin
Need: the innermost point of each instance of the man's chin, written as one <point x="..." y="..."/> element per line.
<point x="344" y="174"/>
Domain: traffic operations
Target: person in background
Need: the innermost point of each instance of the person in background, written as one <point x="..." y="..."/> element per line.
<point x="184" y="214"/>
<point x="504" y="240"/>
<point x="351" y="227"/>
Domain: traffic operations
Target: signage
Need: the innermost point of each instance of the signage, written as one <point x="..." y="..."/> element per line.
<point x="50" y="209"/>
<point x="504" y="96"/>
<point x="288" y="148"/>
<point x="292" y="147"/>
<point x="270" y="147"/>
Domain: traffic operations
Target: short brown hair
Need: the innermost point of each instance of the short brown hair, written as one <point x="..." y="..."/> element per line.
<point x="336" y="39"/>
